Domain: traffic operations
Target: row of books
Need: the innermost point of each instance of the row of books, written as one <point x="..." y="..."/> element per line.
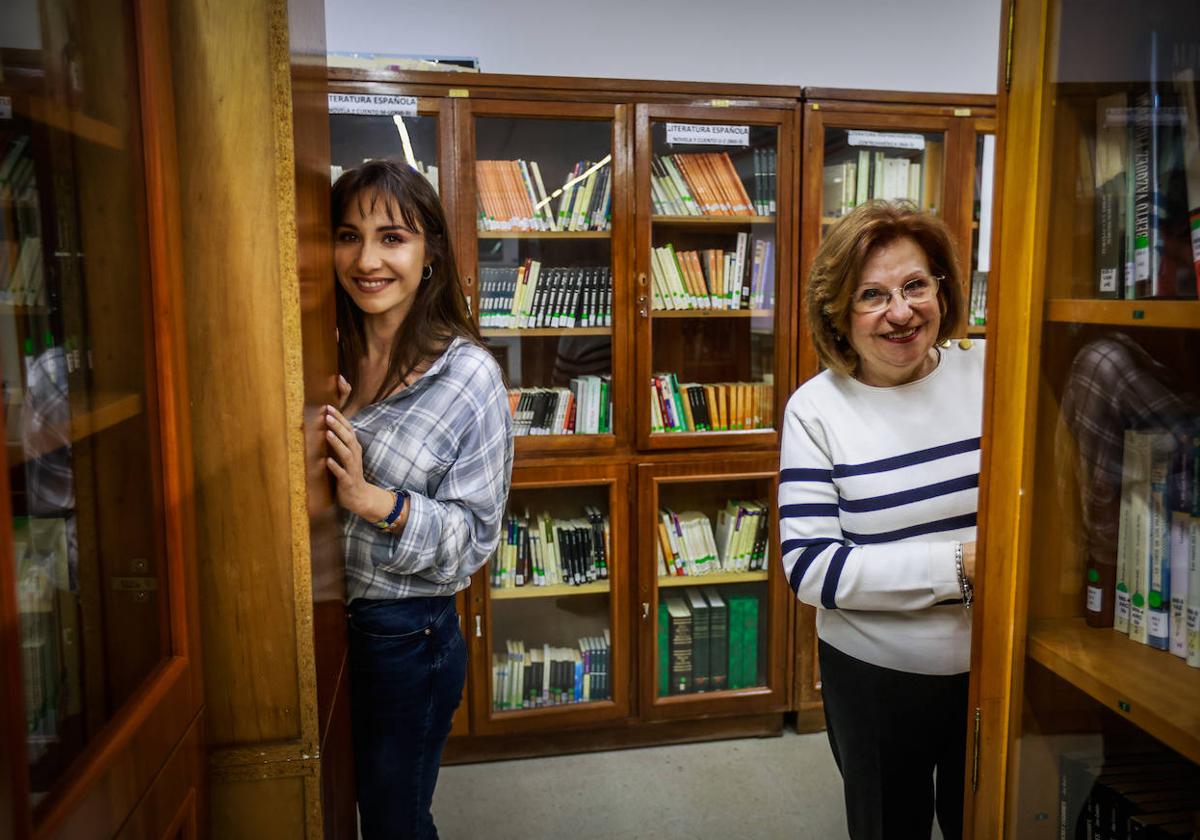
<point x="874" y="175"/>
<point x="512" y="196"/>
<point x="1157" y="598"/>
<point x="533" y="676"/>
<point x="48" y="612"/>
<point x="428" y="170"/>
<point x="533" y="296"/>
<point x="1142" y="795"/>
<point x="699" y="184"/>
<point x="707" y="642"/>
<point x="688" y="546"/>
<point x="1146" y="165"/>
<point x="583" y="408"/>
<point x="719" y="407"/>
<point x="977" y="304"/>
<point x="22" y="277"/>
<point x="711" y="278"/>
<point x="540" y="550"/>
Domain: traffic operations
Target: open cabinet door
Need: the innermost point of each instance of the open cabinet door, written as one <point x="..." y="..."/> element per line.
<point x="99" y="654"/>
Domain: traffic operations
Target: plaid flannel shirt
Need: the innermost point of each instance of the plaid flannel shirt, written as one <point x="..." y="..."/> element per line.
<point x="1113" y="385"/>
<point x="447" y="440"/>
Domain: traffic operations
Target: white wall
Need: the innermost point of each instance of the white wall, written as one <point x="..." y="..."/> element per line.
<point x="19" y="27"/>
<point x="931" y="45"/>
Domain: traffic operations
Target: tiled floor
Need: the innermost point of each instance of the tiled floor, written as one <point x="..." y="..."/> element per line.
<point x="786" y="787"/>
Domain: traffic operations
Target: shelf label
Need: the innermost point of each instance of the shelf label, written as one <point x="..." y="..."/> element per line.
<point x="708" y="135"/>
<point x="5" y="107"/>
<point x="375" y="105"/>
<point x="885" y="139"/>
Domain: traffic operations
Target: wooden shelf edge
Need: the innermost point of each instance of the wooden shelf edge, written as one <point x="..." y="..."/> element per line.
<point x="1176" y="314"/>
<point x="110" y="410"/>
<point x="543" y="234"/>
<point x="1151" y="688"/>
<point x="711" y="579"/>
<point x="712" y="220"/>
<point x="536" y="332"/>
<point x="712" y="313"/>
<point x="556" y="591"/>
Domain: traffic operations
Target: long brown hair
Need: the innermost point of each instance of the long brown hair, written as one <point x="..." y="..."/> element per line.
<point x="439" y="310"/>
<point x="839" y="262"/>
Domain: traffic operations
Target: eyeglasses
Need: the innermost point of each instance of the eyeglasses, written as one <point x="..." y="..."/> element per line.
<point x="871" y="299"/>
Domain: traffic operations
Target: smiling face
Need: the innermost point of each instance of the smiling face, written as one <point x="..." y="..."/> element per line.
<point x="377" y="257"/>
<point x="894" y="345"/>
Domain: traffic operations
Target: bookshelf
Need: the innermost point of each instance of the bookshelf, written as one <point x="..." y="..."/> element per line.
<point x="604" y="135"/>
<point x="99" y="659"/>
<point x="942" y="142"/>
<point x="745" y="356"/>
<point x="1080" y="653"/>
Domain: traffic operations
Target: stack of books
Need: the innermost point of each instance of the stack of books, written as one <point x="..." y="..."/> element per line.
<point x="540" y="550"/>
<point x="977" y="308"/>
<point x="1127" y="795"/>
<point x="719" y="407"/>
<point x="1157" y="597"/>
<point x="534" y="296"/>
<point x="708" y="642"/>
<point x="22" y="278"/>
<point x="584" y="408"/>
<point x="874" y="175"/>
<point x="512" y="197"/>
<point x="689" y="547"/>
<point x="700" y="184"/>
<point x="714" y="279"/>
<point x="532" y="676"/>
<point x="1147" y="184"/>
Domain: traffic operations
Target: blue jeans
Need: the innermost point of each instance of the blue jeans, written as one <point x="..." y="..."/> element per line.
<point x="408" y="663"/>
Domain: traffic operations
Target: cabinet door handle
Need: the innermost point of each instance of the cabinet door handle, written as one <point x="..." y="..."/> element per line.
<point x="478" y="627"/>
<point x="645" y="610"/>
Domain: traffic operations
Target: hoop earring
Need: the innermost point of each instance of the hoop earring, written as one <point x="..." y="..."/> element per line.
<point x="428" y="272"/>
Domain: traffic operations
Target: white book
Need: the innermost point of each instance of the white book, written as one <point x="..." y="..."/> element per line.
<point x="1139" y="550"/>
<point x="1181" y="522"/>
<point x="1193" y="601"/>
<point x="1123" y="593"/>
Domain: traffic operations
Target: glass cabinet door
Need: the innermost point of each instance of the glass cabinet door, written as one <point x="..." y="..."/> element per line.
<point x="364" y="127"/>
<point x="709" y="293"/>
<point x="1103" y="723"/>
<point x="554" y="636"/>
<point x="545" y="224"/>
<point x="712" y="604"/>
<point x="981" y="218"/>
<point x="85" y="437"/>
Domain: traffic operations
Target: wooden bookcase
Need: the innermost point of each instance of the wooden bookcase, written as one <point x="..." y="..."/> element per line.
<point x="627" y="469"/>
<point x="484" y="116"/>
<point x="1046" y="682"/>
<point x="944" y="133"/>
<point x="99" y="652"/>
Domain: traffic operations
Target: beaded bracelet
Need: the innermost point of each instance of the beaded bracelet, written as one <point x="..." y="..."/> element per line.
<point x="964" y="585"/>
<point x="388" y="521"/>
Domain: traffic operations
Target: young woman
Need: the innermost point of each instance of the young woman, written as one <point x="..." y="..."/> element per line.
<point x="879" y="475"/>
<point x="421" y="450"/>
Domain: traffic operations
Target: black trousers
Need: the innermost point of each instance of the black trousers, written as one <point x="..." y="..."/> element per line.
<point x="890" y="730"/>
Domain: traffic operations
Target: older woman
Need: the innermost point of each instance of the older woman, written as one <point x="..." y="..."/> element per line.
<point x="879" y="475"/>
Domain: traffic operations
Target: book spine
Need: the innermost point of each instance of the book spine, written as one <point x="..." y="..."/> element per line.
<point x="1159" y="589"/>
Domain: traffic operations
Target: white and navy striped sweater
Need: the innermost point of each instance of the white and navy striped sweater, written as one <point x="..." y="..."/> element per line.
<point x="876" y="486"/>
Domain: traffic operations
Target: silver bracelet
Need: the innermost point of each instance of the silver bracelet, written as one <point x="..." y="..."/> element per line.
<point x="964" y="585"/>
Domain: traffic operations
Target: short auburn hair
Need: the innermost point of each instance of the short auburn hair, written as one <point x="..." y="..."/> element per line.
<point x="839" y="262"/>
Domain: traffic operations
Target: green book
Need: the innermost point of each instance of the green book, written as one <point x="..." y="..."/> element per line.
<point x="700" y="639"/>
<point x="718" y="641"/>
<point x="664" y="650"/>
<point x="737" y="635"/>
<point x="680" y="618"/>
